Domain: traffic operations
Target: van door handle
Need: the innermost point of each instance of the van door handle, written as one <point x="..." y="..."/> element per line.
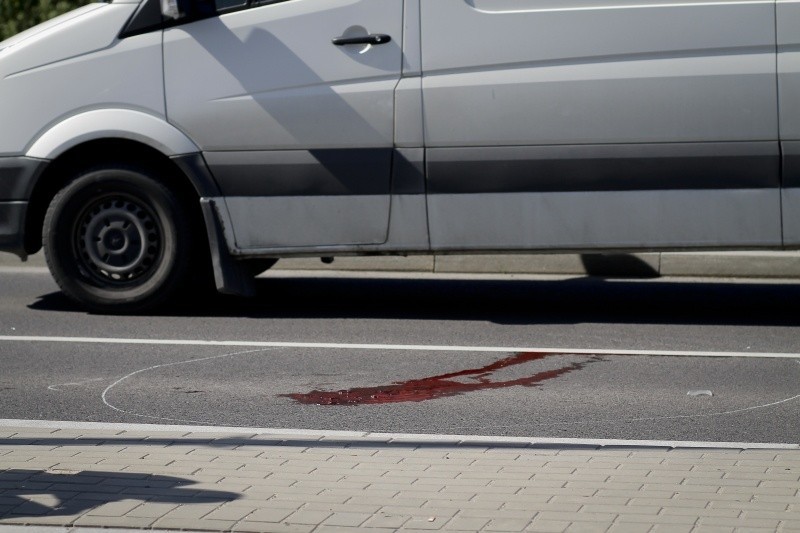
<point x="375" y="38"/>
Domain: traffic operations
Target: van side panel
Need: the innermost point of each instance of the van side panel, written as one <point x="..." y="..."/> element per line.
<point x="788" y="16"/>
<point x="535" y="72"/>
<point x="600" y="123"/>
<point x="298" y="132"/>
<point x="57" y="78"/>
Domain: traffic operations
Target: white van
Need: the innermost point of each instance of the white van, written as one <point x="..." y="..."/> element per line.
<point x="136" y="137"/>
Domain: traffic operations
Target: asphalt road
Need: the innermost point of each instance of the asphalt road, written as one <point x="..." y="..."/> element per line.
<point x="383" y="388"/>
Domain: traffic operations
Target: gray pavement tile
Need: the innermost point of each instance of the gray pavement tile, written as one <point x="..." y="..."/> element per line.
<point x="39" y="520"/>
<point x="273" y="515"/>
<point x="384" y="520"/>
<point x="424" y="524"/>
<point x="660" y="519"/>
<point x="193" y="524"/>
<point x="115" y="508"/>
<point x="192" y="511"/>
<point x="346" y="519"/>
<point x="631" y="528"/>
<point x="121" y="521"/>
<point x="304" y="516"/>
<point x="588" y="527"/>
<point x="151" y="510"/>
<point x="274" y="528"/>
<point x="738" y="522"/>
<point x="547" y="526"/>
<point x="343" y="508"/>
<point x="507" y="524"/>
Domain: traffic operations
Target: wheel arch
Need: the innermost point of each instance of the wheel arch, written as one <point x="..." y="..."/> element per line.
<point x="186" y="174"/>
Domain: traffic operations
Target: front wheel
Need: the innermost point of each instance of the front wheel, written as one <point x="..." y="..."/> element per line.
<point x="117" y="240"/>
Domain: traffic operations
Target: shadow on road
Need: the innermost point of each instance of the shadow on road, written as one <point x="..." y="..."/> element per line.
<point x="570" y="301"/>
<point x="76" y="493"/>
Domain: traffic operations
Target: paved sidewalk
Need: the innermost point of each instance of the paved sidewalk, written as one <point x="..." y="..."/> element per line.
<point x="218" y="479"/>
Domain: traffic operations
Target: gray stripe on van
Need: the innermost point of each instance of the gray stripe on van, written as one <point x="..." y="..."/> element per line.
<point x="337" y="172"/>
<point x="678" y="166"/>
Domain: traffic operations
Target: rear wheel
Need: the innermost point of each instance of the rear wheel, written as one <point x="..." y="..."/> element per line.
<point x="117" y="240"/>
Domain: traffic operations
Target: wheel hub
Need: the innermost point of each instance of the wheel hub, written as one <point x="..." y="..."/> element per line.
<point x="119" y="239"/>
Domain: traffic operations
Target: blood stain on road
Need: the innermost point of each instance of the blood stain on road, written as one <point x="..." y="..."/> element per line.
<point x="420" y="390"/>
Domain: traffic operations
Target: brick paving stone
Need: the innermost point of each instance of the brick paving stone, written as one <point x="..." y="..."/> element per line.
<point x="417" y="511"/>
<point x="517" y="514"/>
<point x="793" y="525"/>
<point x="472" y="504"/>
<point x="588" y="527"/>
<point x="41" y="521"/>
<point x="507" y="524"/>
<point x="671" y="528"/>
<point x="121" y="521"/>
<point x="343" y="508"/>
<point x="660" y="519"/>
<point x="706" y="512"/>
<point x="631" y="528"/>
<point x="258" y="527"/>
<point x="386" y="520"/>
<point x="151" y="510"/>
<point x="712" y="496"/>
<point x="117" y="508"/>
<point x="326" y="496"/>
<point x="192" y="511"/>
<point x="547" y="526"/>
<point x="580" y="516"/>
<point x="194" y="524"/>
<point x="422" y="523"/>
<point x="304" y="516"/>
<point x="272" y="515"/>
<point x="634" y="493"/>
<point x="584" y="500"/>
<point x="621" y="509"/>
<point x="463" y="523"/>
<point x="738" y="522"/>
<point x="772" y="515"/>
<point x="346" y="519"/>
<point x="231" y="512"/>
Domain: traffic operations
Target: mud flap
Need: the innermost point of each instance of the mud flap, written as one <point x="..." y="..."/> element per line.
<point x="229" y="276"/>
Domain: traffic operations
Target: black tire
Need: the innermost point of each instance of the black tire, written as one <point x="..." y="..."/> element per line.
<point x="117" y="241"/>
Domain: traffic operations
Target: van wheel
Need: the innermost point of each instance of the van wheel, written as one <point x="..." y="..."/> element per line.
<point x="117" y="241"/>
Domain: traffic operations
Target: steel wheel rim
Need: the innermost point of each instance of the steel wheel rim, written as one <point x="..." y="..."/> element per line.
<point x="118" y="240"/>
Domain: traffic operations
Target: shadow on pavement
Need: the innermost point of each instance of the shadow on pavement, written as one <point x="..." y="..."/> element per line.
<point x="76" y="493"/>
<point x="503" y="301"/>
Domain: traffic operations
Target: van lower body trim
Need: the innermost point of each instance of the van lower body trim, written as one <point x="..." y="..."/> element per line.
<point x="594" y="168"/>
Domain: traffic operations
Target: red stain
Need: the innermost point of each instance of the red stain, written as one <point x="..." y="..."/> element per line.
<point x="420" y="390"/>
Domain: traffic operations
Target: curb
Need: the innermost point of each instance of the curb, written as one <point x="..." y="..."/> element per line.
<point x="759" y="264"/>
<point x="454" y="440"/>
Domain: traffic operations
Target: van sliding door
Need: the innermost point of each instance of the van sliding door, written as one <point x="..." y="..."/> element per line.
<point x="601" y="123"/>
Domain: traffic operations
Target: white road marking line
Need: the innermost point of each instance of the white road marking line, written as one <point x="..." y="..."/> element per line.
<point x="365" y="437"/>
<point x="399" y="347"/>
